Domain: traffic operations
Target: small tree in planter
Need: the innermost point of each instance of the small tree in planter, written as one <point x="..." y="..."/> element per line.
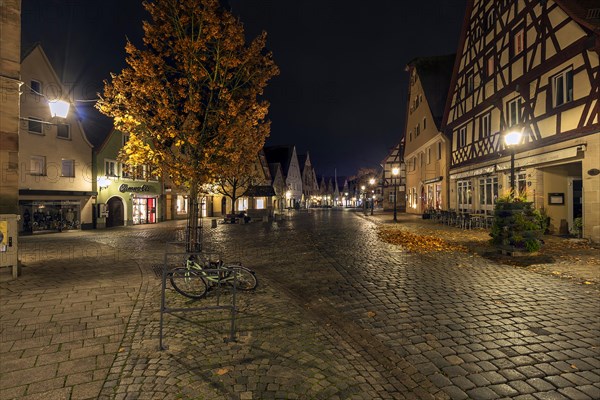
<point x="516" y="226"/>
<point x="577" y="227"/>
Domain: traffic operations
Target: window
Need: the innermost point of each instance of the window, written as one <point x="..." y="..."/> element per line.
<point x="514" y="112"/>
<point x="34" y="125"/>
<point x="110" y="168"/>
<point x="562" y="88"/>
<point x="439" y="152"/>
<point x="182" y="205"/>
<point x="414" y="163"/>
<point x="428" y="155"/>
<point x="424" y="123"/>
<point x="37" y="165"/>
<point x="260" y="204"/>
<point x="521" y="183"/>
<point x="470" y="82"/>
<point x="36" y="87"/>
<point x="63" y="131"/>
<point x="486" y="126"/>
<point x="68" y="168"/>
<point x="461" y="140"/>
<point x="126" y="171"/>
<point x="124" y="139"/>
<point x="491" y="19"/>
<point x="489" y="69"/>
<point x="463" y="191"/>
<point x="410" y="136"/>
<point x="488" y="192"/>
<point x="392" y="195"/>
<point x="518" y="41"/>
<point x="417" y="130"/>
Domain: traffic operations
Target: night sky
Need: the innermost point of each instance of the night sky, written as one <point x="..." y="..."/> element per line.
<point x="342" y="88"/>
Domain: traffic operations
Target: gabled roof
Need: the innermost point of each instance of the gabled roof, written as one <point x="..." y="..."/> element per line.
<point x="584" y="12"/>
<point x="280" y="154"/>
<point x="435" y="74"/>
<point x="273" y="168"/>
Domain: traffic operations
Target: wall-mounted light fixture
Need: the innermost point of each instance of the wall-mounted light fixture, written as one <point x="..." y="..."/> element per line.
<point x="103" y="182"/>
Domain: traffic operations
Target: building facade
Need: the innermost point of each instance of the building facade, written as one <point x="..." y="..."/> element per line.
<point x="531" y="68"/>
<point x="10" y="81"/>
<point x="126" y="195"/>
<point x="426" y="147"/>
<point x="55" y="157"/>
<point x="287" y="157"/>
<point x="393" y="187"/>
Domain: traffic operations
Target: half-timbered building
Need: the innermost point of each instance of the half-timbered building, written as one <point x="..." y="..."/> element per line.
<point x="393" y="187"/>
<point x="530" y="67"/>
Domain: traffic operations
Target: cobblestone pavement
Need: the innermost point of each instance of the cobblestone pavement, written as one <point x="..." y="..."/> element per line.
<point x="337" y="315"/>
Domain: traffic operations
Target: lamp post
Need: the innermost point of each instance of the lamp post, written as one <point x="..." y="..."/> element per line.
<point x="364" y="196"/>
<point x="395" y="173"/>
<point x="371" y="183"/>
<point x="512" y="139"/>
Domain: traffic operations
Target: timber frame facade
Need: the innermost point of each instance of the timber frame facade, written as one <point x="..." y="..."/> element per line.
<point x="392" y="186"/>
<point x="531" y="66"/>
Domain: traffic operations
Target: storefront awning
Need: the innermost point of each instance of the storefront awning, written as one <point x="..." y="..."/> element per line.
<point x="32" y="192"/>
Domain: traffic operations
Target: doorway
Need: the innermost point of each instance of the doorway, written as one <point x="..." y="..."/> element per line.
<point x="116" y="213"/>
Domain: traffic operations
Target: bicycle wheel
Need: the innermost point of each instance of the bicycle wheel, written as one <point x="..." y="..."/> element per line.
<point x="188" y="282"/>
<point x="246" y="279"/>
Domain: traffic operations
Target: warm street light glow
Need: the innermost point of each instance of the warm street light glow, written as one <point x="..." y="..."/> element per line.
<point x="512" y="138"/>
<point x="395" y="173"/>
<point x="362" y="187"/>
<point x="288" y="194"/>
<point x="103" y="182"/>
<point x="371" y="181"/>
<point x="59" y="108"/>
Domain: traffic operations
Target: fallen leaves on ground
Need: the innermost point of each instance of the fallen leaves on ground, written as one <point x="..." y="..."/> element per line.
<point x="417" y="243"/>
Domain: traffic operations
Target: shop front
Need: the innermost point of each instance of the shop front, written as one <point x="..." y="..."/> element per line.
<point x="50" y="214"/>
<point x="121" y="204"/>
<point x="144" y="209"/>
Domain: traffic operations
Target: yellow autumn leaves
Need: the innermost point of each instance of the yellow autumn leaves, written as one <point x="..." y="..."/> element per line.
<point x="416" y="243"/>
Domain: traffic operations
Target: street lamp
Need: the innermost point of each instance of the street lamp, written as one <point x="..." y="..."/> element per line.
<point x="371" y="183"/>
<point x="364" y="196"/>
<point x="395" y="173"/>
<point x="512" y="139"/>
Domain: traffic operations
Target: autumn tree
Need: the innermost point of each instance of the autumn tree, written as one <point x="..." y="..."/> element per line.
<point x="190" y="98"/>
<point x="234" y="179"/>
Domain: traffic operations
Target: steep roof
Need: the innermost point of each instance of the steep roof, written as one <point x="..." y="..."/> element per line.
<point x="585" y="12"/>
<point x="280" y="154"/>
<point x="435" y="74"/>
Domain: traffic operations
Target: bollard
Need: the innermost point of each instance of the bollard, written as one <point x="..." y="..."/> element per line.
<point x="213" y="223"/>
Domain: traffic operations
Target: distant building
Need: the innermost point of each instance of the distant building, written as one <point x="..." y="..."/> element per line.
<point x="532" y="68"/>
<point x="394" y="186"/>
<point x="287" y="157"/>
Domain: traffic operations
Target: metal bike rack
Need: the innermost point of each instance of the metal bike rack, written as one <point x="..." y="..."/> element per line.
<point x="165" y="309"/>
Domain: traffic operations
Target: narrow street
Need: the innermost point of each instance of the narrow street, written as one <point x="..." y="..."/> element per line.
<point x="338" y="314"/>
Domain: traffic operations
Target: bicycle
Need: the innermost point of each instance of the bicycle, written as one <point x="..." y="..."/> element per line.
<point x="196" y="279"/>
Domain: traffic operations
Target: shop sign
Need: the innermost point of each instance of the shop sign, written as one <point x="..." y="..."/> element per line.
<point x="432" y="180"/>
<point x="134" y="189"/>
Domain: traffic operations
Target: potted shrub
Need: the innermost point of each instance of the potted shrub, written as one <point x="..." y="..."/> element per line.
<point x="516" y="226"/>
<point x="578" y="227"/>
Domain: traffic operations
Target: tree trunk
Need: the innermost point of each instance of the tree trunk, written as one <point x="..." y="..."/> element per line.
<point x="194" y="233"/>
<point x="233" y="198"/>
